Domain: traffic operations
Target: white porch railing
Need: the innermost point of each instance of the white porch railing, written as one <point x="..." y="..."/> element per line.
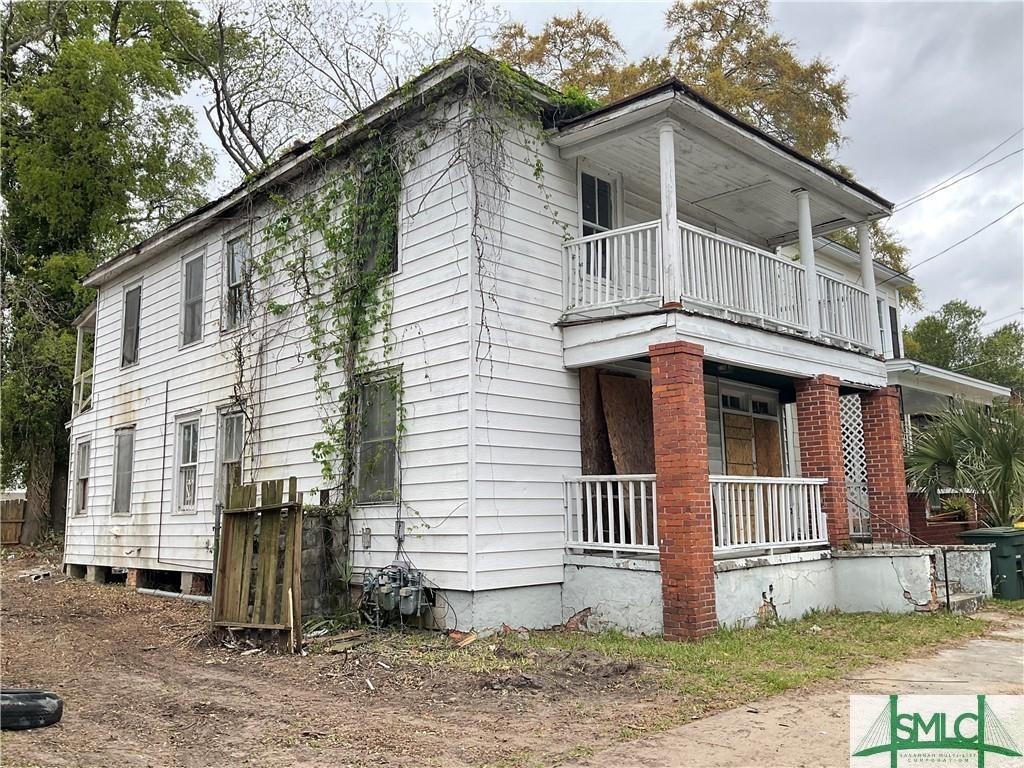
<point x="767" y="513"/>
<point x="844" y="311"/>
<point x="611" y="513"/>
<point x="609" y="269"/>
<point x="726" y="274"/>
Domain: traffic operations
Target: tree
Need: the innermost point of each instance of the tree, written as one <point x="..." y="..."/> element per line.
<point x="96" y="154"/>
<point x="970" y="446"/>
<point x="277" y="71"/>
<point x="952" y="338"/>
<point x="570" y="52"/>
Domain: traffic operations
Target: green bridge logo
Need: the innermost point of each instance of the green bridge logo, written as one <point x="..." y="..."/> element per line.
<point x="976" y="729"/>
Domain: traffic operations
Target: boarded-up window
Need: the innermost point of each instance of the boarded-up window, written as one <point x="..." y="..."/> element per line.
<point x="130" y="326"/>
<point x="192" y="301"/>
<point x="81" y="477"/>
<point x="124" y="454"/>
<point x="377" y="443"/>
<point x="188" y="464"/>
<point x="628" y="411"/>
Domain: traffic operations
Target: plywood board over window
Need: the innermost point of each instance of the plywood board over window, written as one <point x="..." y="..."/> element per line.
<point x="768" y="447"/>
<point x="739" y="443"/>
<point x="630" y="418"/>
<point x="595" y="451"/>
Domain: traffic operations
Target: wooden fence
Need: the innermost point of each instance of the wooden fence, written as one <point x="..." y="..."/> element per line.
<point x="12" y="516"/>
<point x="257" y="576"/>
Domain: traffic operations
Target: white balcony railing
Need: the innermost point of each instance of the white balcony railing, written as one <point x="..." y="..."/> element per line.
<point x="611" y="513"/>
<point x="609" y="269"/>
<point x="623" y="268"/>
<point x="731" y="276"/>
<point x="766" y="513"/>
<point x="844" y="311"/>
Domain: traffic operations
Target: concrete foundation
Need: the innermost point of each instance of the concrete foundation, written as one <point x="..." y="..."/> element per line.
<point x="534" y="607"/>
<point x="783" y="586"/>
<point x="621" y="593"/>
<point x="969" y="568"/>
<point x="74" y="570"/>
<point x="97" y="574"/>
<point x="897" y="580"/>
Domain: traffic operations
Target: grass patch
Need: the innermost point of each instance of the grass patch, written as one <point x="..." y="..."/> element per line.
<point x="1010" y="606"/>
<point x="736" y="665"/>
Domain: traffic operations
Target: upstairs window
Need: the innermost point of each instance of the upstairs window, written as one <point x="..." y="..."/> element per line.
<point x="130" y="326"/>
<point x="377" y="441"/>
<point x="596" y="201"/>
<point x="235" y="270"/>
<point x="124" y="455"/>
<point x="192" y="301"/>
<point x="894" y="329"/>
<point x="188" y="464"/>
<point x="81" y="477"/>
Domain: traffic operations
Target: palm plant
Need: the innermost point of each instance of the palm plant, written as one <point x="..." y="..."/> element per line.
<point x="969" y="446"/>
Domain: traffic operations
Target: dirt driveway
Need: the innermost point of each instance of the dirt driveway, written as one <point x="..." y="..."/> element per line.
<point x="812" y="729"/>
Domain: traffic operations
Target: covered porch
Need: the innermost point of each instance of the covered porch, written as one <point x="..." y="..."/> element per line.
<point x="688" y="463"/>
<point x="682" y="206"/>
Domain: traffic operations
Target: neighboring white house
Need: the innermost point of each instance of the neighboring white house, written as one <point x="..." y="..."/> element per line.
<point x="549" y="457"/>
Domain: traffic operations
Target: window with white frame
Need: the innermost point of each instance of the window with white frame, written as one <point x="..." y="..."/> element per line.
<point x="192" y="301"/>
<point x="130" y="325"/>
<point x="597" y="206"/>
<point x="232" y="444"/>
<point x="377" y="441"/>
<point x="236" y="265"/>
<point x="81" y="477"/>
<point x="187" y="463"/>
<point x="124" y="455"/>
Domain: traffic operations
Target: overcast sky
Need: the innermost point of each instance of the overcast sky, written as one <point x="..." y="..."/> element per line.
<point x="934" y="87"/>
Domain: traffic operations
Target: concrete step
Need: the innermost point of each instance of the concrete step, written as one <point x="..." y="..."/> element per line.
<point x="961" y="602"/>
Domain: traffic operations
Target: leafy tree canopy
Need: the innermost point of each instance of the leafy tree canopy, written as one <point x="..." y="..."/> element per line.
<point x="96" y="153"/>
<point x="953" y="338"/>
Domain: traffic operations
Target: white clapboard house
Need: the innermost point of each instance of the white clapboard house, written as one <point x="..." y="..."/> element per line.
<point x="643" y="383"/>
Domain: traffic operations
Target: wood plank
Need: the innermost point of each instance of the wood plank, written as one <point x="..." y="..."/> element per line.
<point x="296" y="564"/>
<point x="270" y="529"/>
<point x="245" y="565"/>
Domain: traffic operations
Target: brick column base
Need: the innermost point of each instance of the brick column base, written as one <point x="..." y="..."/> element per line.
<point x="684" y="493"/>
<point x="821" y="449"/>
<point x="883" y="453"/>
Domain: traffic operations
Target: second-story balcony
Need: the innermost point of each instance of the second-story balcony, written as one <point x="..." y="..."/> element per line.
<point x="682" y="206"/>
<point x="623" y="270"/>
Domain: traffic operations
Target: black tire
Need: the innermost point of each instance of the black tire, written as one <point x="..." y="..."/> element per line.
<point x="22" y="708"/>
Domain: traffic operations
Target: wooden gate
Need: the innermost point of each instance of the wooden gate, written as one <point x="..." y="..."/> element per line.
<point x="257" y="578"/>
<point x="12" y="516"/>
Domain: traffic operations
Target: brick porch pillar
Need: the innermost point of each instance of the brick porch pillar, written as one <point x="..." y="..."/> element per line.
<point x="684" y="493"/>
<point x="883" y="453"/>
<point x="821" y="449"/>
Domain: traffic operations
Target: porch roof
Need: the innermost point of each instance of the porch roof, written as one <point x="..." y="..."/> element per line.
<point x="727" y="170"/>
<point x="938" y="381"/>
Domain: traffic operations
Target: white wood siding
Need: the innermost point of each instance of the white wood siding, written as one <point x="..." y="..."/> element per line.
<point x="429" y="322"/>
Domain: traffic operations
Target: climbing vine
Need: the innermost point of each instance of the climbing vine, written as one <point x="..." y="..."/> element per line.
<point x="332" y="240"/>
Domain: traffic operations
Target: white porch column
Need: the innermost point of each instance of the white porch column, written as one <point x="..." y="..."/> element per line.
<point x="671" y="250"/>
<point x="803" y="204"/>
<point x="867" y="277"/>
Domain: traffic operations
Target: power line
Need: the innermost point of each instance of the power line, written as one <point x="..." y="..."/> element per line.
<point x="954" y="245"/>
<point x="936" y="190"/>
<point x="966" y="168"/>
<point x="998" y="319"/>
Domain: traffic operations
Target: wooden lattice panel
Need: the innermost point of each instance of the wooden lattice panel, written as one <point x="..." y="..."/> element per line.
<point x="855" y="468"/>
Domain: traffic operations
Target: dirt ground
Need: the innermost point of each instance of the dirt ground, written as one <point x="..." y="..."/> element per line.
<point x="143" y="686"/>
<point x="139" y="692"/>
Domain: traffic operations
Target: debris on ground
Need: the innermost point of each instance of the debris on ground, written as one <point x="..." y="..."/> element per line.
<point x="35" y="574"/>
<point x="578" y="620"/>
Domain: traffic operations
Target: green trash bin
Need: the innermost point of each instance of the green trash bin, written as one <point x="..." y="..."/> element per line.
<point x="1007" y="559"/>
